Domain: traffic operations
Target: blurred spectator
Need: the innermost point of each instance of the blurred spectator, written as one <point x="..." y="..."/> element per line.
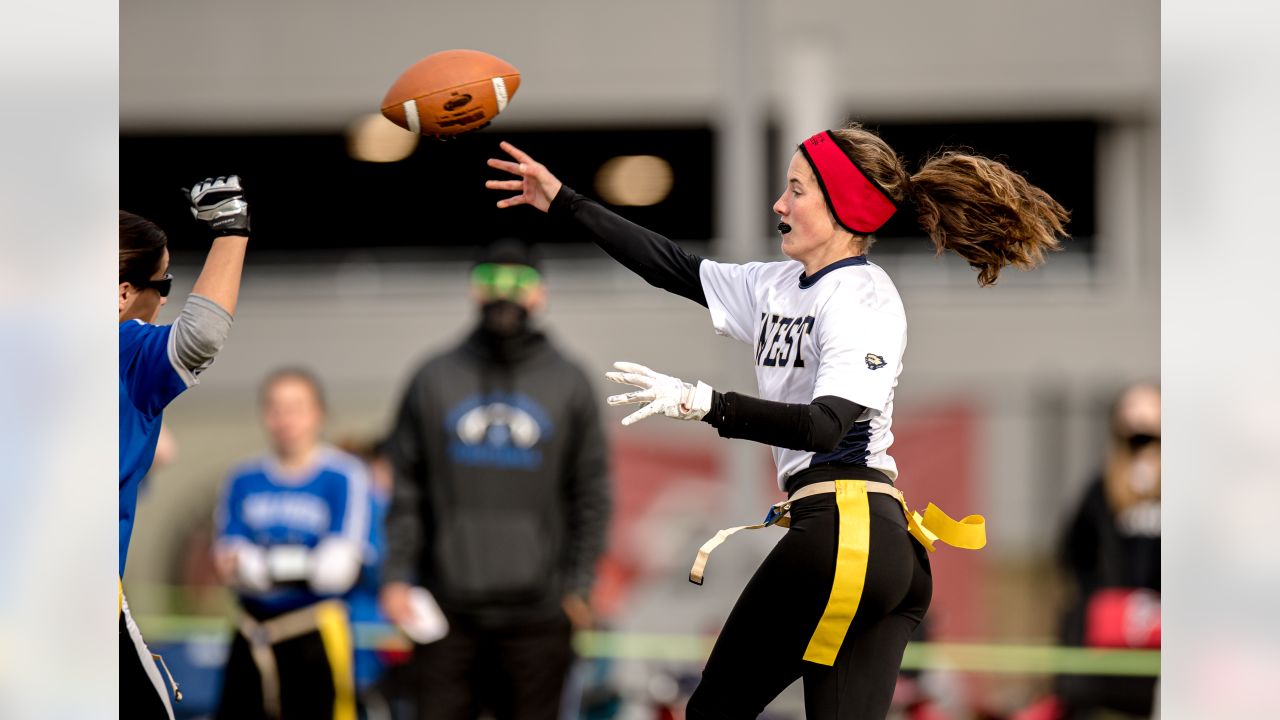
<point x="1111" y="553"/>
<point x="292" y="529"/>
<point x="500" y="505"/>
<point x="362" y="600"/>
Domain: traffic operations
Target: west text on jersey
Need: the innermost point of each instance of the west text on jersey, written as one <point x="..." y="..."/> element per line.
<point x="782" y="340"/>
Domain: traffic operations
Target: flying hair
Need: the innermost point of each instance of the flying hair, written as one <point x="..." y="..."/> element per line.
<point x="973" y="206"/>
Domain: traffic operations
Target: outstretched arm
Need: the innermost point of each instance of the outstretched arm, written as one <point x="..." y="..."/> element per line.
<point x="661" y="262"/>
<point x="818" y="426"/>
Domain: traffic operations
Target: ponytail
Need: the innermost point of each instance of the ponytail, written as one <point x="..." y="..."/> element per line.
<point x="985" y="213"/>
<point x="978" y="208"/>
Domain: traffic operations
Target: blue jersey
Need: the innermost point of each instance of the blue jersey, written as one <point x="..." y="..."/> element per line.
<point x="265" y="506"/>
<point x="150" y="377"/>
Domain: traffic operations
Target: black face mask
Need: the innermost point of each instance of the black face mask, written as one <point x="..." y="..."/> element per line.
<point x="504" y="319"/>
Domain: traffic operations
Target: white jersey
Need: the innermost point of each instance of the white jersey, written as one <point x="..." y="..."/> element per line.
<point x="841" y="332"/>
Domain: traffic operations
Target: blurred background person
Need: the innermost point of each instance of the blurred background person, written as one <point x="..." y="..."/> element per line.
<point x="292" y="533"/>
<point x="500" y="504"/>
<point x="1110" y="554"/>
<point x="157" y="363"/>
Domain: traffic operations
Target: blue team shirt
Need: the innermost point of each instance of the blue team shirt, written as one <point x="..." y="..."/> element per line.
<point x="150" y="378"/>
<point x="264" y="506"/>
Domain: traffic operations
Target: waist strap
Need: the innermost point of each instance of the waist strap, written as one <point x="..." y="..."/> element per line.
<point x="329" y="618"/>
<point x="288" y="625"/>
<point x="969" y="533"/>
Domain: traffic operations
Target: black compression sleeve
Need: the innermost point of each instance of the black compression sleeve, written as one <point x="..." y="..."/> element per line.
<point x="815" y="427"/>
<point x="661" y="262"/>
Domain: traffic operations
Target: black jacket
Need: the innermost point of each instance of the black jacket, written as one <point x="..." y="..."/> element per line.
<point x="501" y="497"/>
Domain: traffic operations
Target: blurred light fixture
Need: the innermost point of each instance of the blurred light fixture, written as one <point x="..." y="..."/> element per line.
<point x="373" y="138"/>
<point x="634" y="180"/>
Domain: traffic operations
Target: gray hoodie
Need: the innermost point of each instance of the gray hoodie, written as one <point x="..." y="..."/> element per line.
<point x="501" y="498"/>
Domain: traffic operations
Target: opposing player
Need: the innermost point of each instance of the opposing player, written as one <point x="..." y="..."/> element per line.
<point x="836" y="600"/>
<point x="158" y="362"/>
<point x="292" y="530"/>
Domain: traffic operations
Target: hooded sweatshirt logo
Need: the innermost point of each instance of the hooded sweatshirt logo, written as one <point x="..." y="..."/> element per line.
<point x="498" y="430"/>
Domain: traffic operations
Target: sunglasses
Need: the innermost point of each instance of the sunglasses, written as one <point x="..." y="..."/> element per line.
<point x="161" y="285"/>
<point x="1137" y="441"/>
<point x="496" y="281"/>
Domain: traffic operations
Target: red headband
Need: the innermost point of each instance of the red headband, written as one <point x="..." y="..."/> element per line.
<point x="860" y="205"/>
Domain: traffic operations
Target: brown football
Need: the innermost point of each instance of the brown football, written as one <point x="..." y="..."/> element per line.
<point x="451" y="92"/>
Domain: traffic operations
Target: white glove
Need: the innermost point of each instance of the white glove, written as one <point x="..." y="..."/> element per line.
<point x="668" y="395"/>
<point x="220" y="204"/>
<point x="252" y="571"/>
<point x="335" y="565"/>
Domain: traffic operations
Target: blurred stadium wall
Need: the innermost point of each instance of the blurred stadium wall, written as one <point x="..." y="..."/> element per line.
<point x="1029" y="366"/>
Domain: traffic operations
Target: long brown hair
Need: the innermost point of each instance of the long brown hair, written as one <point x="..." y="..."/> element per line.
<point x="977" y="207"/>
<point x="142" y="245"/>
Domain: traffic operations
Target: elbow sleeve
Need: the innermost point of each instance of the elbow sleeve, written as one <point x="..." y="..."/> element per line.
<point x="826" y="427"/>
<point x="817" y="427"/>
<point x="659" y="261"/>
<point x="200" y="332"/>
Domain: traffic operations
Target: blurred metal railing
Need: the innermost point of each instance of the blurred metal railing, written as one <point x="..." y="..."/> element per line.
<point x="664" y="647"/>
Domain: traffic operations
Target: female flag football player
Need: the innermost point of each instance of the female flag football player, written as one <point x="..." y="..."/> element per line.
<point x="836" y="600"/>
<point x="158" y="362"/>
<point x="292" y="530"/>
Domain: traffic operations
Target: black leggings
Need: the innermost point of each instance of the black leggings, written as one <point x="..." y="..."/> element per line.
<point x="143" y="693"/>
<point x="760" y="650"/>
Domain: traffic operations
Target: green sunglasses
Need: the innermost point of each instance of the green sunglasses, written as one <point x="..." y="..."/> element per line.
<point x="504" y="281"/>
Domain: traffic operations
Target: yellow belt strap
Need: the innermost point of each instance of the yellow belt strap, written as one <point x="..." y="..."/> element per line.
<point x="851" y="572"/>
<point x="335" y="633"/>
<point x="969" y="533"/>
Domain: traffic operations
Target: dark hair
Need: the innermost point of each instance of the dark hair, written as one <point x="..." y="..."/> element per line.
<point x="510" y="251"/>
<point x="977" y="207"/>
<point x="294" y="373"/>
<point x="142" y="245"/>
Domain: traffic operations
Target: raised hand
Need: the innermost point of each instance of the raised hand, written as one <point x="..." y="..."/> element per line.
<point x="537" y="186"/>
<point x="220" y="204"/>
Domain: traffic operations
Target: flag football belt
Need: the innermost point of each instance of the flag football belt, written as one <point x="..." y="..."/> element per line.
<point x="329" y="618"/>
<point x="852" y="549"/>
<point x="120" y="606"/>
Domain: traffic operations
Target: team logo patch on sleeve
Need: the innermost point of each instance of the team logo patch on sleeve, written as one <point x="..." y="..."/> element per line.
<point x="874" y="362"/>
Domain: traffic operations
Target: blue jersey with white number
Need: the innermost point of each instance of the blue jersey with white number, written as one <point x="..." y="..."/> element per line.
<point x="265" y="506"/>
<point x="150" y="378"/>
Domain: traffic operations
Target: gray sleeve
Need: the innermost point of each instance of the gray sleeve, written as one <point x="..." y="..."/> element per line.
<point x="198" y="334"/>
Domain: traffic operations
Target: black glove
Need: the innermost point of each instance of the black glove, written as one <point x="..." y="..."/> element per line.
<point x="220" y="204"/>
